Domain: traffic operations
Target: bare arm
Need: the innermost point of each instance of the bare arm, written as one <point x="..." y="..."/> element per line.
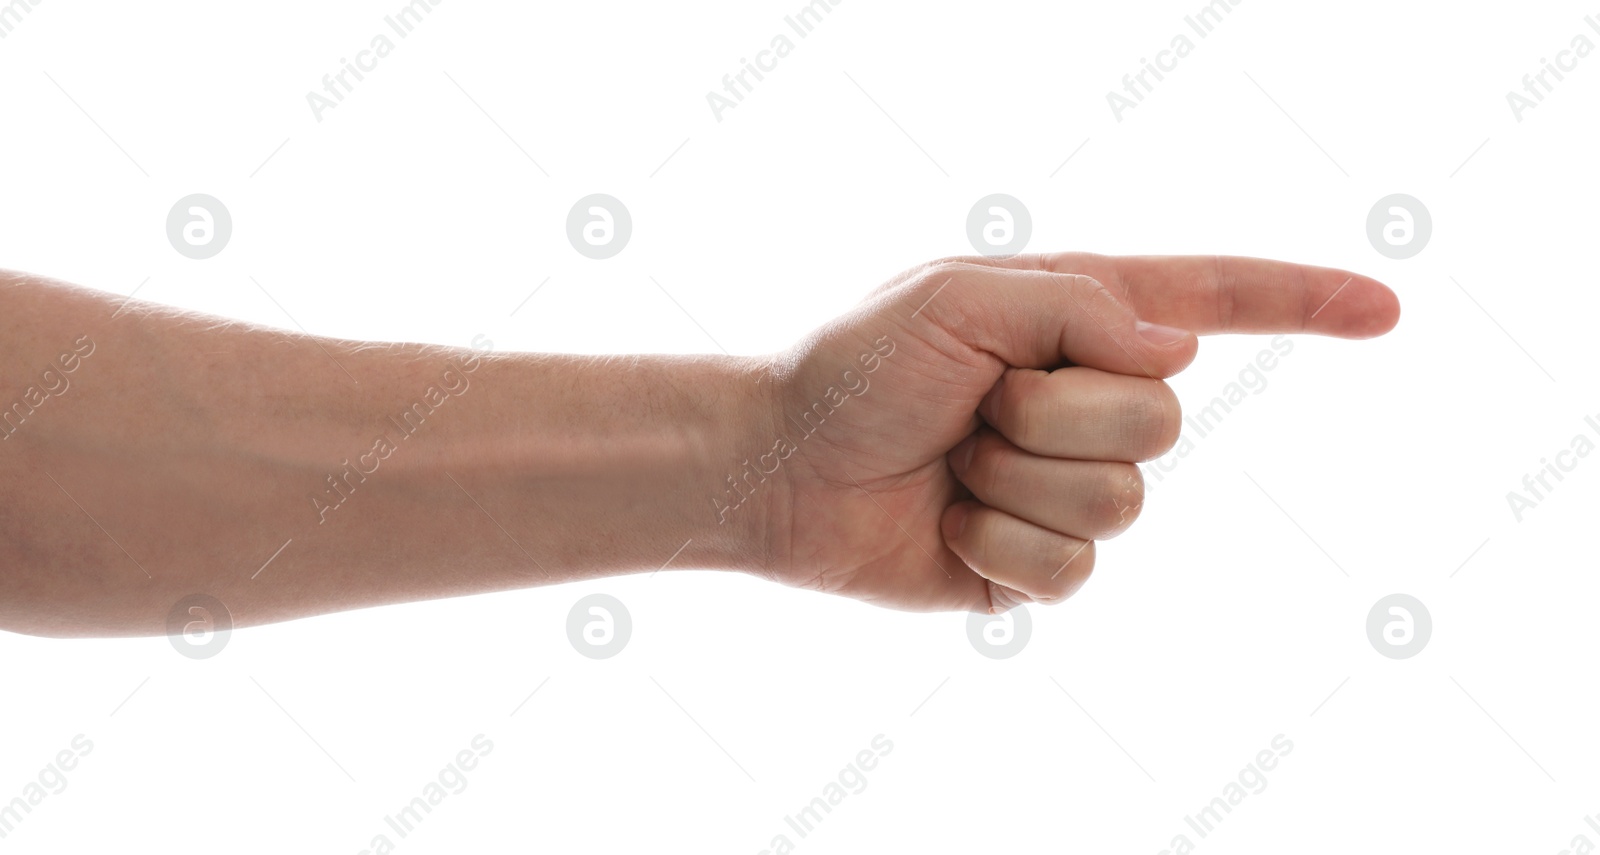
<point x="958" y="441"/>
<point x="162" y="454"/>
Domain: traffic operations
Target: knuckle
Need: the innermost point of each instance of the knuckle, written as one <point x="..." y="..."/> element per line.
<point x="1075" y="561"/>
<point x="945" y="290"/>
<point x="1090" y="284"/>
<point x="1094" y="307"/>
<point x="938" y="272"/>
<point x="1121" y="498"/>
<point x="1171" y="418"/>
<point x="1094" y="294"/>
<point x="953" y="261"/>
<point x="1151" y="421"/>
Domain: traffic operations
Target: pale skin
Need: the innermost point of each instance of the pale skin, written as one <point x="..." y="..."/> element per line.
<point x="975" y="427"/>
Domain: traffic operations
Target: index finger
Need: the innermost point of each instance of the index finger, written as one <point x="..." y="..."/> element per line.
<point x="1208" y="294"/>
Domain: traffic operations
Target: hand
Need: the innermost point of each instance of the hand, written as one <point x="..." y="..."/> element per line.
<point x="962" y="439"/>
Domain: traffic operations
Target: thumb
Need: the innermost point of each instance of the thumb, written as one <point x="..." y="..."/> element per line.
<point x="1039" y="318"/>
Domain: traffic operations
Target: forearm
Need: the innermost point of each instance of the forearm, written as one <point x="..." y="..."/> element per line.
<point x="187" y="451"/>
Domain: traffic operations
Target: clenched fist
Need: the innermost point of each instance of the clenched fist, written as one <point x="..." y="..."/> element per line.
<point x="962" y="439"/>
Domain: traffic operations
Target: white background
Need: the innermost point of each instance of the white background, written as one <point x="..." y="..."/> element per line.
<point x="1218" y="622"/>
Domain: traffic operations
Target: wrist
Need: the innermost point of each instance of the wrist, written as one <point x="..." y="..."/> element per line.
<point x="625" y="463"/>
<point x="749" y="505"/>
